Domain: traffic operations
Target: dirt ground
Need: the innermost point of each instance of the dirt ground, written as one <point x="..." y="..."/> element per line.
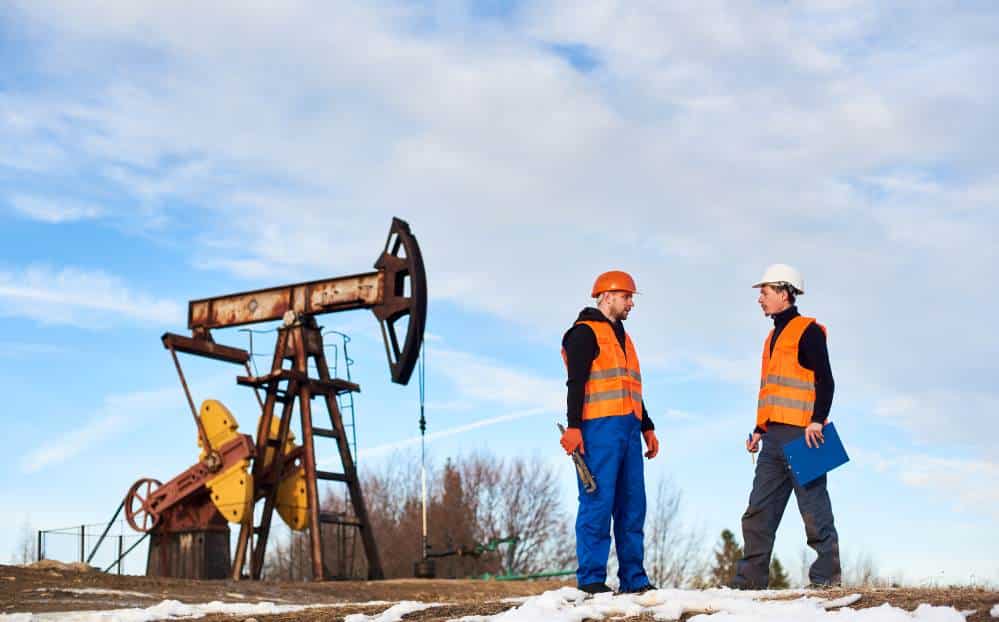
<point x="55" y="587"/>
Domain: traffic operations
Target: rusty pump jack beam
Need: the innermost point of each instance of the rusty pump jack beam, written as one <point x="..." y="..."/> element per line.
<point x="395" y="292"/>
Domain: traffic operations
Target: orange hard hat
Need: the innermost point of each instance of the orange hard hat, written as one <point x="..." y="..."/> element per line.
<point x="614" y="281"/>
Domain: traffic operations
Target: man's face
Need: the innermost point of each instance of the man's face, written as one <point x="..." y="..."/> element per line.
<point x="619" y="304"/>
<point x="771" y="300"/>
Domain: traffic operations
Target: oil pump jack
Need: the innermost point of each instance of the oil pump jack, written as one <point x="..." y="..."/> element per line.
<point x="188" y="516"/>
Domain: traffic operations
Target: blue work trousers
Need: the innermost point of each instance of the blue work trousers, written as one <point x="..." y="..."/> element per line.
<point x="772" y="488"/>
<point x="613" y="448"/>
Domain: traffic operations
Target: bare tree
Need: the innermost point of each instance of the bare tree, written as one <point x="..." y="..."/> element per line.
<point x="289" y="559"/>
<point x="673" y="554"/>
<point x="805" y="562"/>
<point x="393" y="498"/>
<point x="472" y="501"/>
<point x="27" y="544"/>
<point x="518" y="497"/>
<point x="861" y="571"/>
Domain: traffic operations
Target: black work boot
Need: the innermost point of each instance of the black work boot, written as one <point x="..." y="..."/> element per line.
<point x="640" y="590"/>
<point x="595" y="588"/>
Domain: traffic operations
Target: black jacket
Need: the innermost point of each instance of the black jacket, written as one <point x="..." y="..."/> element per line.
<point x="580" y="349"/>
<point x="813" y="354"/>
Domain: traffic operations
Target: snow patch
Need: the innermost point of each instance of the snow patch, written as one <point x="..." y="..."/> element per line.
<point x="93" y="590"/>
<point x="393" y="613"/>
<point x="995" y="611"/>
<point x="571" y="605"/>
<point x="841" y="602"/>
<point x="367" y="603"/>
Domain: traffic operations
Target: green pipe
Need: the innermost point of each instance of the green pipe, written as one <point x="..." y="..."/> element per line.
<point x="526" y="577"/>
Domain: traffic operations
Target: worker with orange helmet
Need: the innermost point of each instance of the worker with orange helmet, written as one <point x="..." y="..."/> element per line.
<point x="796" y="390"/>
<point x="607" y="418"/>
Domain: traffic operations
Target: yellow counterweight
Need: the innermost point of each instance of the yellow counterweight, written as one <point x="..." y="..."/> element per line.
<point x="232" y="489"/>
<point x="292" y="502"/>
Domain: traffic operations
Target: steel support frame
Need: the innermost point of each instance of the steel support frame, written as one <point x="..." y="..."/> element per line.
<point x="298" y="343"/>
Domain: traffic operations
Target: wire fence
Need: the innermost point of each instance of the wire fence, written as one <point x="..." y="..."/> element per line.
<point x="98" y="545"/>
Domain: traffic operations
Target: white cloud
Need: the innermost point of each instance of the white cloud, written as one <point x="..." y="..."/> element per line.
<point x="478" y="379"/>
<point x="55" y="211"/>
<point x="79" y="297"/>
<point x="114" y="416"/>
<point x="681" y="416"/>
<point x="968" y="483"/>
<point x="72" y="443"/>
<point x="895" y="407"/>
<point x="15" y="350"/>
<point x="941" y="417"/>
<point x="242" y="268"/>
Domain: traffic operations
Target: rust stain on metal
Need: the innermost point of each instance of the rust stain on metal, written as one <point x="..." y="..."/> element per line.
<point x="364" y="289"/>
<point x="324" y="296"/>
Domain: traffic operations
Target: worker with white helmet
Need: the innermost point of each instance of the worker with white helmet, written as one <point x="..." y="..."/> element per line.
<point x="796" y="390"/>
<point x="606" y="422"/>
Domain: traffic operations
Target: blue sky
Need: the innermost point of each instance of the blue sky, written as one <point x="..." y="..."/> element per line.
<point x="148" y="158"/>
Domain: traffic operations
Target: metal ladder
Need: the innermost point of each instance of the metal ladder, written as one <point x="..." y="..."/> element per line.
<point x="345" y="526"/>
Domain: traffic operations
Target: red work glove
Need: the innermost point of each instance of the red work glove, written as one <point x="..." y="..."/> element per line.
<point x="652" y="443"/>
<point x="572" y="439"/>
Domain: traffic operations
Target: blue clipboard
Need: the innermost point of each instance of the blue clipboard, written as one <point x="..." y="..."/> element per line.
<point x="810" y="463"/>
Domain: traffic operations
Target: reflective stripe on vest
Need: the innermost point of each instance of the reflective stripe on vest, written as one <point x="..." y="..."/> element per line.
<point x="617" y="371"/>
<point x="785" y="381"/>
<point x="614" y="394"/>
<point x="786" y="402"/>
<point x="614" y="386"/>
<point x="787" y="390"/>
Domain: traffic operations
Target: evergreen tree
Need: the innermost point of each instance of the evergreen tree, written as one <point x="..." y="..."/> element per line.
<point x="727" y="554"/>
<point x="778" y="578"/>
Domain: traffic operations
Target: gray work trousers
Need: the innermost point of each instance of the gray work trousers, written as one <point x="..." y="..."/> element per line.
<point x="772" y="488"/>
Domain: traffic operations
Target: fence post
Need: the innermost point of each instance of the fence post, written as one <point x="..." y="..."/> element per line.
<point x="83" y="542"/>
<point x="39" y="555"/>
<point x="121" y="545"/>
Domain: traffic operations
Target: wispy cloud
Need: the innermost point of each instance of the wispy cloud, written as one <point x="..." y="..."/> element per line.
<point x="242" y="268"/>
<point x="13" y="350"/>
<point x="55" y="211"/>
<point x="968" y="483"/>
<point x="942" y="417"/>
<point x="387" y="448"/>
<point x="482" y="382"/>
<point x="73" y="443"/>
<point x="114" y="416"/>
<point x="480" y="379"/>
<point x="79" y="297"/>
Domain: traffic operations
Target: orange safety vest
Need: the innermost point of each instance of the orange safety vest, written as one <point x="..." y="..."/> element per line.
<point x="614" y="387"/>
<point x="787" y="390"/>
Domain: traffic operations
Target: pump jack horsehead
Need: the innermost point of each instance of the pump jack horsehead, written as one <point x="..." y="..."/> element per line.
<point x="187" y="517"/>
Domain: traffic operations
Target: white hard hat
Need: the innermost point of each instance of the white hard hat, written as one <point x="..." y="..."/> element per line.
<point x="782" y="273"/>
